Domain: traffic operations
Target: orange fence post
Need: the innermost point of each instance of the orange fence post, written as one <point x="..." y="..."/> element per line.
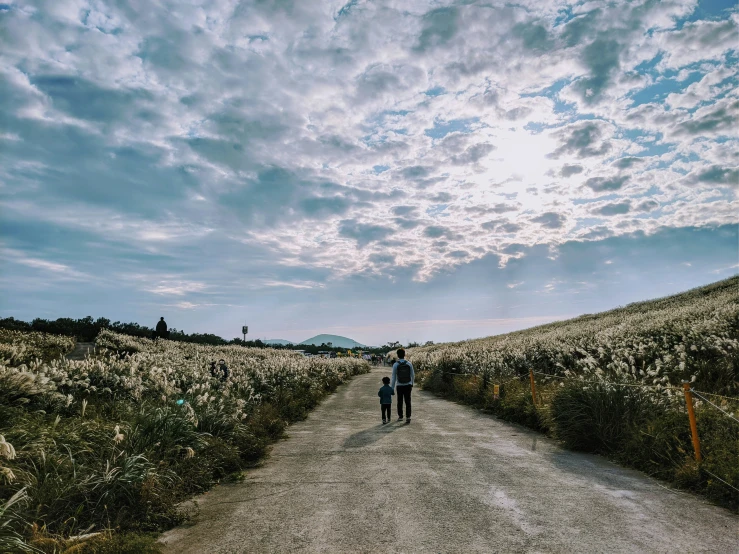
<point x="533" y="386"/>
<point x="693" y="424"/>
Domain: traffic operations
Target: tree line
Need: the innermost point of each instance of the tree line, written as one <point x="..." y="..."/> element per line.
<point x="86" y="329"/>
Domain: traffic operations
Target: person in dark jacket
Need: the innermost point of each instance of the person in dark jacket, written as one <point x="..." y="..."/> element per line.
<point x="220" y="371"/>
<point x="386" y="393"/>
<point x="403" y="375"/>
<point x="162" y="329"/>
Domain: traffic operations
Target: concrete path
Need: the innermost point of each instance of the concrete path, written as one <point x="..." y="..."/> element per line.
<point x="81" y="351"/>
<point x="454" y="480"/>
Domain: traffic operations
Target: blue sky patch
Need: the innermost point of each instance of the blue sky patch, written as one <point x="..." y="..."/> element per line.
<point x="442" y="129"/>
<point x="436" y="209"/>
<point x="436" y="91"/>
<point x="659" y="91"/>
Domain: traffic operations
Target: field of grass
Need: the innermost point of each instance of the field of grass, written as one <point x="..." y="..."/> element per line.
<point x="18" y="348"/>
<point x="95" y="455"/>
<point x="611" y="383"/>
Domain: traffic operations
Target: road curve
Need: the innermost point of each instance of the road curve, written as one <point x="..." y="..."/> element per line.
<point x="81" y="351"/>
<point x="454" y="480"/>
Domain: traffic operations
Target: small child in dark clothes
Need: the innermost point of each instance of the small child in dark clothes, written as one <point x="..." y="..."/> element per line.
<point x="386" y="399"/>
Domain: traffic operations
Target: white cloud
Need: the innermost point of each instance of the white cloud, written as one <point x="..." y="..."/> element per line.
<point x="294" y="133"/>
<point x="53" y="269"/>
<point x="175" y="288"/>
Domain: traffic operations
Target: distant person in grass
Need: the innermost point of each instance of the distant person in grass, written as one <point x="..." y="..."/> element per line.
<point x="386" y="399"/>
<point x="403" y="376"/>
<point x="161" y="330"/>
<point x="221" y="371"/>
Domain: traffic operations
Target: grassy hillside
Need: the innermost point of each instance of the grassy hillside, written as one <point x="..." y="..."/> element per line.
<point x="93" y="453"/>
<point x="611" y="383"/>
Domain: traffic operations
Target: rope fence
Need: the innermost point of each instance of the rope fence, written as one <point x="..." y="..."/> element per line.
<point x="614" y="383"/>
<point x="719" y="478"/>
<point x="727" y="414"/>
<point x="732" y="398"/>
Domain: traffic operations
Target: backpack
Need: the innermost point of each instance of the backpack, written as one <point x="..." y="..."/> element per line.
<point x="403" y="372"/>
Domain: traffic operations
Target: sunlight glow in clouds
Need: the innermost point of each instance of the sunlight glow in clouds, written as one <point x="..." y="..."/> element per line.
<point x="295" y="143"/>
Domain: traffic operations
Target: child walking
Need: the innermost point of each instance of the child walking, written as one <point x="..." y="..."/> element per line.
<point x="386" y="399"/>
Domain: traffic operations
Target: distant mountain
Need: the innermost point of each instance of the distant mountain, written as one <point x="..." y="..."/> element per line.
<point x="335" y="340"/>
<point x="281" y="342"/>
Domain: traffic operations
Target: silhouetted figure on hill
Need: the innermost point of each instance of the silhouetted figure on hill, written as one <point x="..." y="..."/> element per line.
<point x="162" y="329"/>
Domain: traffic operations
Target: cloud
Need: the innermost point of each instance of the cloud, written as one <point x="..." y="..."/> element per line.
<point x="406" y="223"/>
<point x="697" y="41"/>
<point x="362" y="233"/>
<point x="534" y="36"/>
<point x="439" y="26"/>
<point x="646" y="206"/>
<point x="717" y="175"/>
<point x="57" y="271"/>
<point x="583" y="139"/>
<point x="714" y="119"/>
<point x="501" y="226"/>
<point x="602" y="184"/>
<point x="435" y="231"/>
<point x="569" y="170"/>
<point x="601" y="57"/>
<point x="404" y="210"/>
<point x="293" y="284"/>
<point x="473" y="154"/>
<point x="550" y="220"/>
<point x="615" y="208"/>
<point x="288" y="142"/>
<point x="626" y="163"/>
<point x="174" y="287"/>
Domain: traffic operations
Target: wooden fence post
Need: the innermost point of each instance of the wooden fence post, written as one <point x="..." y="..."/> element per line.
<point x="693" y="424"/>
<point x="533" y="386"/>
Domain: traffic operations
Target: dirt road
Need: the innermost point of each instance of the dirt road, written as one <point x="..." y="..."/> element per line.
<point x="454" y="480"/>
<point x="81" y="351"/>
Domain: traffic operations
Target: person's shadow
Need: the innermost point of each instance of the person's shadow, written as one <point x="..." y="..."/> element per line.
<point x="370" y="435"/>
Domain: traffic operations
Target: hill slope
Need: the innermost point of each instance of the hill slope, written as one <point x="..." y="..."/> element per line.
<point x="335" y="340"/>
<point x="281" y="342"/>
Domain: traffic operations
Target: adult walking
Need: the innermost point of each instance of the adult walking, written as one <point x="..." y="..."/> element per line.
<point x="402" y="382"/>
<point x="162" y="329"/>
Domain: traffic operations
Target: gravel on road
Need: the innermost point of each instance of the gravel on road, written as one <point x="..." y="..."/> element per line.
<point x="453" y="480"/>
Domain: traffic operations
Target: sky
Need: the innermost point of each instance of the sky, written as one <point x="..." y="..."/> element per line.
<point x="384" y="170"/>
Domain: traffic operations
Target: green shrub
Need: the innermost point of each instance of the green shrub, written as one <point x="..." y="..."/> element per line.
<point x="217" y="459"/>
<point x="598" y="417"/>
<point x="661" y="446"/>
<point x="719" y="438"/>
<point x="516" y="405"/>
<point x="164" y="432"/>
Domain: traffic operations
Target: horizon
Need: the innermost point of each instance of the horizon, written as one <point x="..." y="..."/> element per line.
<point x="405" y="344"/>
<point x="377" y="170"/>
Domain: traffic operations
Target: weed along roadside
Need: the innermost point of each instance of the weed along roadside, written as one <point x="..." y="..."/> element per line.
<point x="96" y="454"/>
<point x="652" y="386"/>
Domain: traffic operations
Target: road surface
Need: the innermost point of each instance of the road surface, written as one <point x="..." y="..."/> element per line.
<point x="81" y="351"/>
<point x="454" y="480"/>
